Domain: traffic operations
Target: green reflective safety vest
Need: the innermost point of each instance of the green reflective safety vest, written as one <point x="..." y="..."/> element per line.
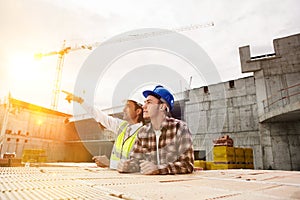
<point x="122" y="147"/>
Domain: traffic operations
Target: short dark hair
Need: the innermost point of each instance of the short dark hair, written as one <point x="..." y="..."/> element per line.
<point x="138" y="106"/>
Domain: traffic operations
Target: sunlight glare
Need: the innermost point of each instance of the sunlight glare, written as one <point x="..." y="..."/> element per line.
<point x="23" y="67"/>
<point x="29" y="79"/>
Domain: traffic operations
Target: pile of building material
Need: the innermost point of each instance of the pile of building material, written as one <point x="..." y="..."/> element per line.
<point x="226" y="156"/>
<point x="224" y="141"/>
<point x="10" y="160"/>
<point x="34" y="156"/>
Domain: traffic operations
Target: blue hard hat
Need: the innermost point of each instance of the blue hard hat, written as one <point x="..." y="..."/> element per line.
<point x="161" y="92"/>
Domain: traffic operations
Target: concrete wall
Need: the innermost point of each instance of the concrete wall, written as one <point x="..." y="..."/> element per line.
<point x="222" y="110"/>
<point x="276" y="75"/>
<point x="261" y="112"/>
<point x="278" y="101"/>
<point x="280" y="145"/>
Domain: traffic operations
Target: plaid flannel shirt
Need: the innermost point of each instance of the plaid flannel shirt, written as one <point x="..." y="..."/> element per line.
<point x="176" y="151"/>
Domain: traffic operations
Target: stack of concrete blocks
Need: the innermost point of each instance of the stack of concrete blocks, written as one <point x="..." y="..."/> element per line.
<point x="249" y="164"/>
<point x="239" y="157"/>
<point x="34" y="156"/>
<point x="224" y="157"/>
<point x="10" y="160"/>
<point x="200" y="165"/>
<point x="231" y="158"/>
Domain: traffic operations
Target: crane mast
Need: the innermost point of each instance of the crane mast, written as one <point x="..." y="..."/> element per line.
<point x="59" y="67"/>
<point x="57" y="81"/>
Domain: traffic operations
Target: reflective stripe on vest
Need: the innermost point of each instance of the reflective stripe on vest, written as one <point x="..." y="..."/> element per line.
<point x="121" y="148"/>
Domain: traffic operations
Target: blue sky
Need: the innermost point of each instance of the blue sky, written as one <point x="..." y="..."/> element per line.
<point x="31" y="26"/>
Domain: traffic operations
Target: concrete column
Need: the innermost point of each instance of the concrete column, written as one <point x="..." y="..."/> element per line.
<point x="266" y="146"/>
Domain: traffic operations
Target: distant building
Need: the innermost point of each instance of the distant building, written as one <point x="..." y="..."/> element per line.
<point x="36" y="130"/>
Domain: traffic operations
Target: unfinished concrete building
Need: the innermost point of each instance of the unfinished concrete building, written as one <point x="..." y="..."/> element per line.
<point x="261" y="111"/>
<point x="38" y="134"/>
<point x="277" y="86"/>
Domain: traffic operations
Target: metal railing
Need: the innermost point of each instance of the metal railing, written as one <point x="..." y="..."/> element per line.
<point x="282" y="98"/>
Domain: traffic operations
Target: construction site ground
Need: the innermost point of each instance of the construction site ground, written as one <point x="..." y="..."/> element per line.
<point x="86" y="181"/>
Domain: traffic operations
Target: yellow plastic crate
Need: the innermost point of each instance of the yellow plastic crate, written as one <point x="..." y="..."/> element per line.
<point x="15" y="162"/>
<point x="239" y="157"/>
<point x="34" y="155"/>
<point x="224" y="159"/>
<point x="248" y="154"/>
<point x="220" y="165"/>
<point x="200" y="164"/>
<point x="223" y="154"/>
<point x="239" y="151"/>
<point x="249" y="166"/>
<point x="209" y="165"/>
<point x="42" y="159"/>
<point x="240" y="165"/>
<point x="220" y="151"/>
<point x="249" y="160"/>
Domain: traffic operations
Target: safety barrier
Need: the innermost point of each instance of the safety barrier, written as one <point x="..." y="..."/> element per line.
<point x="282" y="98"/>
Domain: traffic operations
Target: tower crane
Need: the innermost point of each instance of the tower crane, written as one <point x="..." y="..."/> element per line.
<point x="67" y="49"/>
<point x="61" y="56"/>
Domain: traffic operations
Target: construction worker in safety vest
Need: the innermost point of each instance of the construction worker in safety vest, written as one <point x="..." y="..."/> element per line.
<point x="126" y="130"/>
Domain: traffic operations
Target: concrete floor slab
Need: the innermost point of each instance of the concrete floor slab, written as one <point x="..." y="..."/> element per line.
<point x="86" y="181"/>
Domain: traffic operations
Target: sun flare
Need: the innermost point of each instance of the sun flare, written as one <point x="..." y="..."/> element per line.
<point x="28" y="77"/>
<point x="22" y="68"/>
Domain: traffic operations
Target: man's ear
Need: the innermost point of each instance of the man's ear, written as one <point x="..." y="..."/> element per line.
<point x="163" y="106"/>
<point x="139" y="111"/>
<point x="167" y="109"/>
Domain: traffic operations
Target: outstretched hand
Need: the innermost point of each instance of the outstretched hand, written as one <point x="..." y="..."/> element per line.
<point x="71" y="97"/>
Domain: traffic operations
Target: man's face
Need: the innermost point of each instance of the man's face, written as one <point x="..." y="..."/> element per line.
<point x="151" y="107"/>
<point x="129" y="111"/>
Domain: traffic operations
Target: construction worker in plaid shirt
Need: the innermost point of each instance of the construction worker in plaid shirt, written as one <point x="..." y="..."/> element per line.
<point x="163" y="146"/>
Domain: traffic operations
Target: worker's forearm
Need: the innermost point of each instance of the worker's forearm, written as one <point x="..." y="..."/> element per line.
<point x="107" y="121"/>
